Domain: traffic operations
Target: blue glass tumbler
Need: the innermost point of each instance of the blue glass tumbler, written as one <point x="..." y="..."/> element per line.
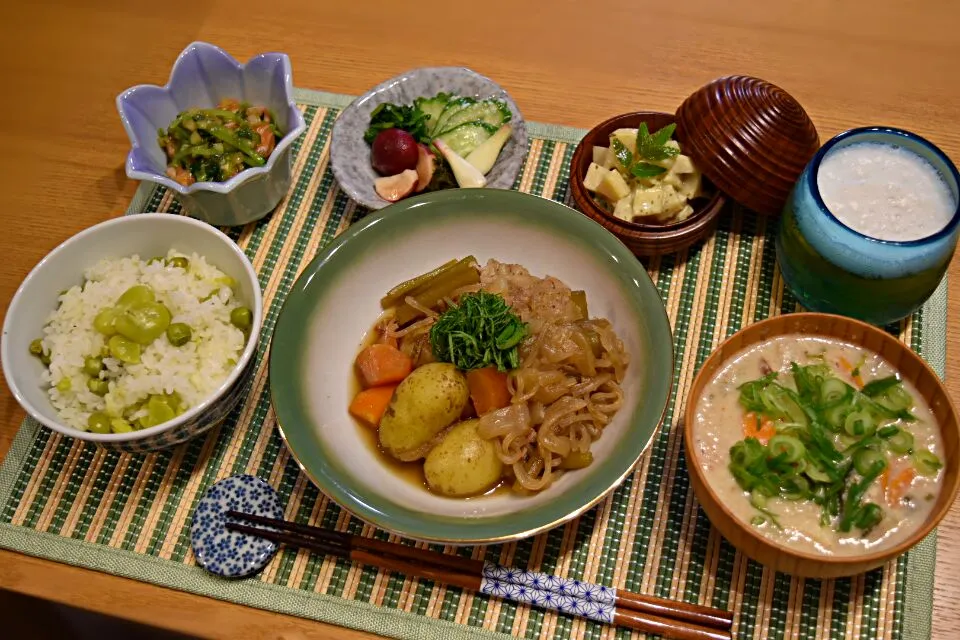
<point x="832" y="268"/>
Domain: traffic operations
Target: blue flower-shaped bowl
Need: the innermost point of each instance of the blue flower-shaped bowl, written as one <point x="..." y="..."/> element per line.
<point x="203" y="75"/>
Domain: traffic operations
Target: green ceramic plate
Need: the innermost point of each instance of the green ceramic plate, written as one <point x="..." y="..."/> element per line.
<point x="335" y="302"/>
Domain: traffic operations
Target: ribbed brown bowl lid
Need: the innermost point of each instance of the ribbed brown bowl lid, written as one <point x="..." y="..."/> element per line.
<point x="750" y="137"/>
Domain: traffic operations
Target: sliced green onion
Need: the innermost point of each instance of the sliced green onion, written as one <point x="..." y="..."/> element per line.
<point x="869" y="515"/>
<point x="859" y="423"/>
<point x="866" y="460"/>
<point x="926" y="462"/>
<point x="833" y="391"/>
<point x="901" y="442"/>
<point x="788" y="447"/>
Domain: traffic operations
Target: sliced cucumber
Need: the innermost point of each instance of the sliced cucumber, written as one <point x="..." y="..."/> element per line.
<point x="455" y="105"/>
<point x="433" y="107"/>
<point x="493" y="112"/>
<point x="467" y="137"/>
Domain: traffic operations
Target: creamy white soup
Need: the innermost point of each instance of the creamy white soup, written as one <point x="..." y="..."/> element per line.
<point x="885" y="192"/>
<point x="836" y="455"/>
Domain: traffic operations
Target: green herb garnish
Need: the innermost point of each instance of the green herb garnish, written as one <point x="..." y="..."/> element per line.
<point x="391" y="116"/>
<point x="649" y="148"/>
<point x="831" y="443"/>
<point x="654" y="147"/>
<point x="481" y="331"/>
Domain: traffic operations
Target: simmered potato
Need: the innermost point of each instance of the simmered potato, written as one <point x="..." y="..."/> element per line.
<point x="425" y="403"/>
<point x="463" y="464"/>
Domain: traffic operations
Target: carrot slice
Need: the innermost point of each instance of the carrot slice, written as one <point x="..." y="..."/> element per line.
<point x="488" y="389"/>
<point x="759" y="427"/>
<point x="895" y="486"/>
<point x="369" y="405"/>
<point x="848" y="368"/>
<point x="382" y="364"/>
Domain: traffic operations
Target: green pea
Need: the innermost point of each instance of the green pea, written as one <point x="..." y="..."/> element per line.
<point x="143" y="322"/>
<point x="98" y="422"/>
<point x="104" y="351"/>
<point x="105" y="321"/>
<point x="119" y="425"/>
<point x="64" y="385"/>
<point x="179" y="262"/>
<point x="36" y="347"/>
<point x="179" y="334"/>
<point x="155" y="260"/>
<point x="45" y="359"/>
<point x="136" y="293"/>
<point x="124" y="350"/>
<point x="98" y="386"/>
<point x="92" y="366"/>
<point x="241" y="318"/>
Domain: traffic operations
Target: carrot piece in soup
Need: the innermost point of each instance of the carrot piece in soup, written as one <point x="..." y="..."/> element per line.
<point x="848" y="368"/>
<point x="759" y="427"/>
<point x="488" y="389"/>
<point x="369" y="405"/>
<point x="895" y="486"/>
<point x="381" y="364"/>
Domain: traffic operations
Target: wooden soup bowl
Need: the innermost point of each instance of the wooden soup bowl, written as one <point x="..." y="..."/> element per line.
<point x="911" y="368"/>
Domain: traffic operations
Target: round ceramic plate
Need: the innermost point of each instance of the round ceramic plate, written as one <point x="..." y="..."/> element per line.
<point x="350" y="155"/>
<point x="336" y="301"/>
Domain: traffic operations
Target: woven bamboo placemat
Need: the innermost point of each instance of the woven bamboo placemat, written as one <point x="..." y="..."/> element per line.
<point x="130" y="515"/>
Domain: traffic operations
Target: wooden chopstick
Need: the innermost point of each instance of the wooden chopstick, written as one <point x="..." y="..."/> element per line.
<point x="680" y="620"/>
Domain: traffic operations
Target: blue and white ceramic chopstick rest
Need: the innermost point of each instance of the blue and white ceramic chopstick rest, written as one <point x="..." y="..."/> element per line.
<point x="227" y="553"/>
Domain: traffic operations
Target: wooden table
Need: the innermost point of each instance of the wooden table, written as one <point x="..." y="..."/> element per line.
<point x="850" y="64"/>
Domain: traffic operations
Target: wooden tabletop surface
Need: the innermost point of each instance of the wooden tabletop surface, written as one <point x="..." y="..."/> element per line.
<point x="854" y="63"/>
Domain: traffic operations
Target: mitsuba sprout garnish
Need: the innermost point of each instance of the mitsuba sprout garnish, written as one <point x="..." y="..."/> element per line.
<point x="479" y="331"/>
<point x="831" y="443"/>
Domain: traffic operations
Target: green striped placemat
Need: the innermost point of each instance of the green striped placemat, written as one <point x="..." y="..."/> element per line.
<point x="130" y="515"/>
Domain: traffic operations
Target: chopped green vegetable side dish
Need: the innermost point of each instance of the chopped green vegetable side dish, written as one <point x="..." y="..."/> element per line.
<point x="481" y="331"/>
<point x="831" y="443"/>
<point x="213" y="145"/>
<point x="463" y="123"/>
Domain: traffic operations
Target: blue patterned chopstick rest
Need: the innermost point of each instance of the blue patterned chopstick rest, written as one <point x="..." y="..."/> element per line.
<point x="583" y="599"/>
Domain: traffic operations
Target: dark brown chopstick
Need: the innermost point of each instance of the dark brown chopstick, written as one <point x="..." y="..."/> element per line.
<point x="646" y="613"/>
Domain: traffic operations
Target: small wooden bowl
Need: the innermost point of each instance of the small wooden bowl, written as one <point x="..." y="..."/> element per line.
<point x="642" y="239"/>
<point x="750" y="136"/>
<point x="911" y="368"/>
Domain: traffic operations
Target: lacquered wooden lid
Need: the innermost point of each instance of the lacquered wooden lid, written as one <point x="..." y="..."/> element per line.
<point x="750" y="137"/>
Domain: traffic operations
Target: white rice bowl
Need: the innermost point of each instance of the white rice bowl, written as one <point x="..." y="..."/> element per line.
<point x="200" y="296"/>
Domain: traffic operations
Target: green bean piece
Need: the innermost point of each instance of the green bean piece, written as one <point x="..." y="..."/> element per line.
<point x="36" y="347"/>
<point x="98" y="422"/>
<point x="241" y="318"/>
<point x="105" y="321"/>
<point x="926" y="462"/>
<point x="97" y="386"/>
<point x="143" y="322"/>
<point x="124" y="350"/>
<point x="136" y="294"/>
<point x="92" y="366"/>
<point x="179" y="262"/>
<point x="901" y="442"/>
<point x="179" y="334"/>
<point x="64" y="385"/>
<point x="119" y="425"/>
